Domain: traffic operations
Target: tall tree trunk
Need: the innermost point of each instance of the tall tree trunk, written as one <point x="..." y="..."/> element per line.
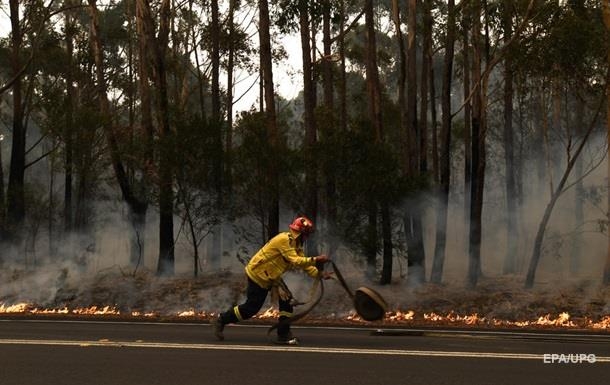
<point x="229" y="103"/>
<point x="51" y="209"/>
<point x="606" y="10"/>
<point x="371" y="241"/>
<point x="404" y="127"/>
<point x="375" y="115"/>
<point x="412" y="129"/>
<point x="372" y="73"/>
<point x="445" y="157"/>
<point x="83" y="156"/>
<point x="424" y="87"/>
<point x="273" y="211"/>
<point x="413" y="214"/>
<point x="434" y="126"/>
<point x="510" y="259"/>
<point x="215" y="58"/>
<point x="216" y="250"/>
<point x="386" y="231"/>
<point x="579" y="215"/>
<point x="136" y="206"/>
<point x="330" y="130"/>
<point x="166" y="195"/>
<point x="146" y="132"/>
<point x="466" y="71"/>
<point x="478" y="154"/>
<point x="311" y="200"/>
<point x="343" y="72"/>
<point x="15" y="190"/>
<point x="327" y="70"/>
<point x="200" y="80"/>
<point x="2" y="206"/>
<point x="69" y="129"/>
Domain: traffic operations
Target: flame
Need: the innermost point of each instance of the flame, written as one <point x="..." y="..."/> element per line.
<point x="193" y="313"/>
<point x="561" y="320"/>
<point x="187" y="313"/>
<point x="140" y="314"/>
<point x="269" y="313"/>
<point x="400" y="316"/>
<point x="94" y="310"/>
<point x="604" y="323"/>
<point x="30" y="309"/>
<point x="16" y="308"/>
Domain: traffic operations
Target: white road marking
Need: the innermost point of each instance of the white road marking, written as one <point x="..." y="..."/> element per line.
<point x="297" y="349"/>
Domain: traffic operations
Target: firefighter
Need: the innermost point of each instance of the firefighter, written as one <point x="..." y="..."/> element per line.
<point x="264" y="271"/>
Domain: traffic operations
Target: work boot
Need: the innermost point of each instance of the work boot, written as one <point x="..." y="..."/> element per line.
<point x="218" y="327"/>
<point x="287" y="339"/>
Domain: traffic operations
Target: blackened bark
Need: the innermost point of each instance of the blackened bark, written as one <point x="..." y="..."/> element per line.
<point x="311" y="171"/>
<point x="136" y="206"/>
<point x="343" y="72"/>
<point x="478" y="156"/>
<point x="445" y="156"/>
<point x="372" y="73"/>
<point x="606" y="11"/>
<point x="215" y="57"/>
<point x="466" y="68"/>
<point x="216" y="246"/>
<point x="375" y="116"/>
<point x="330" y="132"/>
<point x="510" y="260"/>
<point x="15" y="190"/>
<point x="69" y="128"/>
<point x="273" y="211"/>
<point x="229" y="103"/>
<point x="424" y="87"/>
<point x="166" y="195"/>
<point x="434" y="128"/>
<point x="404" y="127"/>
<point x="579" y="215"/>
<point x="2" y="208"/>
<point x="413" y="214"/>
<point x="386" y="230"/>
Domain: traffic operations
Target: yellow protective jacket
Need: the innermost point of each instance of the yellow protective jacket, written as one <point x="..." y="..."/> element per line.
<point x="283" y="252"/>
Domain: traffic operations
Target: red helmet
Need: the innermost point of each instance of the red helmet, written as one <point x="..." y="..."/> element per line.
<point x="302" y="224"/>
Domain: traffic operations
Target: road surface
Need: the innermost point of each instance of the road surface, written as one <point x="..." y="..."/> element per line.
<point x="122" y="353"/>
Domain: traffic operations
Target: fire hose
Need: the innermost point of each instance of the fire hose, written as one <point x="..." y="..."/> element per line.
<point x="368" y="303"/>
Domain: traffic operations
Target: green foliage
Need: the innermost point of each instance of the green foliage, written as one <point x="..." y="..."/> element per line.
<point x="251" y="160"/>
<point x="568" y="43"/>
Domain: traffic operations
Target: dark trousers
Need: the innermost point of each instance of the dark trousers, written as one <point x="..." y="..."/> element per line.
<point x="255" y="298"/>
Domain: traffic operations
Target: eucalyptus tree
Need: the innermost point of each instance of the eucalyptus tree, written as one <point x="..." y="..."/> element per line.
<point x="606" y="13"/>
<point x="484" y="61"/>
<point x="445" y="150"/>
<point x="15" y="190"/>
<point x="510" y="264"/>
<point x="414" y="211"/>
<point x="272" y="177"/>
<point x="577" y="63"/>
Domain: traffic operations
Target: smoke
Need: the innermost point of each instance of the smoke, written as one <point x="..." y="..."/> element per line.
<point x="571" y="249"/>
<point x="92" y="267"/>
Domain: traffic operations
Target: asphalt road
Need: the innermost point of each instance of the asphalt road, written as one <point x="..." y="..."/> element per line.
<point x="119" y="353"/>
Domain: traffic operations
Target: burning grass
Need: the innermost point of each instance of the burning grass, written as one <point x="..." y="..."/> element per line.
<point x="495" y="303"/>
